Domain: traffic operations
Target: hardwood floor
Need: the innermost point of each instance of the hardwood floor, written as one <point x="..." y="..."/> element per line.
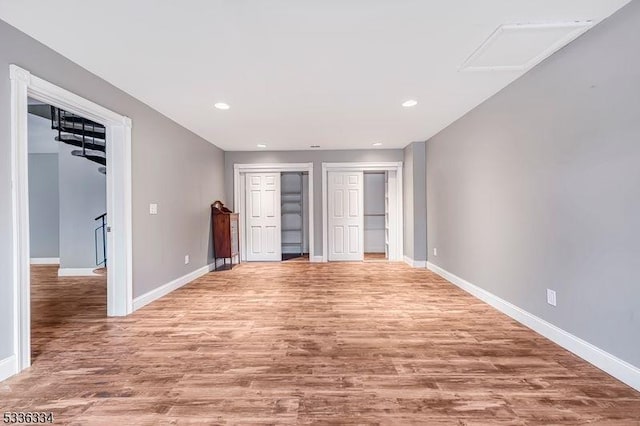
<point x="375" y="257"/>
<point x="302" y="343"/>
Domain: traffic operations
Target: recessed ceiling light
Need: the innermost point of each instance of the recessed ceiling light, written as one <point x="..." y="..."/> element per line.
<point x="410" y="103"/>
<point x="261" y="145"/>
<point x="377" y="144"/>
<point x="314" y="146"/>
<point x="221" y="105"/>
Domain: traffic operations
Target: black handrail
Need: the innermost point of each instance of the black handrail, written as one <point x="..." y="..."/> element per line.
<point x="82" y="131"/>
<point x="101" y="229"/>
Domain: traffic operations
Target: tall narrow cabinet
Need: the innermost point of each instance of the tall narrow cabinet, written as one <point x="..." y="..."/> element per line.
<point x="226" y="241"/>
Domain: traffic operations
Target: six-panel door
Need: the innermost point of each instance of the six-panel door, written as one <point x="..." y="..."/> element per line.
<point x="263" y="217"/>
<point x="346" y="216"/>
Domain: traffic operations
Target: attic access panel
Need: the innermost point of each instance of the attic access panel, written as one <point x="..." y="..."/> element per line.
<point x="517" y="47"/>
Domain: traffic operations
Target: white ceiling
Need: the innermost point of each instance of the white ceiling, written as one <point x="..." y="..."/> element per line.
<point x="296" y="72"/>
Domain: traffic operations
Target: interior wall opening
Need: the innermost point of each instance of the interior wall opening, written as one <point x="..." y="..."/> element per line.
<point x="294" y="209"/>
<point x="67" y="198"/>
<point x="376" y="216"/>
<point x="343" y="212"/>
<point x="275" y="207"/>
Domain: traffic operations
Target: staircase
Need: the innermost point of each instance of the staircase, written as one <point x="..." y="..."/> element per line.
<point x="83" y="133"/>
<point x="90" y="138"/>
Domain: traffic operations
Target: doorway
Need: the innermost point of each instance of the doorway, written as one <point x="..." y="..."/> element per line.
<point x="376" y="216"/>
<point x="67" y="191"/>
<point x="294" y="203"/>
<point x="355" y="230"/>
<point x="24" y="85"/>
<point x="275" y="211"/>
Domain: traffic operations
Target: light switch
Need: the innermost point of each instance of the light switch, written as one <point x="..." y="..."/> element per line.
<point x="153" y="209"/>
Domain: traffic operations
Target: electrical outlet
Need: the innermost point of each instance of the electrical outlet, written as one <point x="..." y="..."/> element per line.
<point x="186" y="260"/>
<point x="435" y="251"/>
<point x="551" y="297"/>
<point x="153" y="209"/>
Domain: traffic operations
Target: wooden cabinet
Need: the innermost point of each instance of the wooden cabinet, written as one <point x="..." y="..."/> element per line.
<point x="226" y="239"/>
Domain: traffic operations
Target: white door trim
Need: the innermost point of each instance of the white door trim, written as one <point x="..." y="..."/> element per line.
<point x="396" y="243"/>
<point x="118" y="128"/>
<point x="238" y="195"/>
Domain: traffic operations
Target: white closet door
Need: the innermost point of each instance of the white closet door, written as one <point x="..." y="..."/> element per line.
<point x="263" y="217"/>
<point x="346" y="216"/>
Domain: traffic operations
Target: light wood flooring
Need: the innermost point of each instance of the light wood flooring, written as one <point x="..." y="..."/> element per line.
<point x="300" y="343"/>
<point x="375" y="257"/>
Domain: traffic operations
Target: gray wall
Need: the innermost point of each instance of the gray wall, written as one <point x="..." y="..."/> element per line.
<point x="407" y="196"/>
<point x="420" y="201"/>
<point x="180" y="171"/>
<point x="539" y="187"/>
<point x="43" y="205"/>
<point x="40" y="135"/>
<point x="83" y="197"/>
<point x="317" y="157"/>
<point x="415" y="201"/>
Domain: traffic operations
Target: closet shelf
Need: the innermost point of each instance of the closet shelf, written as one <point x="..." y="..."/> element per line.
<point x="292" y="200"/>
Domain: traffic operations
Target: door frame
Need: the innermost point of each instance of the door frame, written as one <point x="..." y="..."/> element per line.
<point x="395" y="244"/>
<point x="239" y="193"/>
<point x="119" y="240"/>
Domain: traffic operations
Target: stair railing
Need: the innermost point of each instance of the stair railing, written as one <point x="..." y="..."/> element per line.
<point x="101" y="230"/>
<point x="82" y="133"/>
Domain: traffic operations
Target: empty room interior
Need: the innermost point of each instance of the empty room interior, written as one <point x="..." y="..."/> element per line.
<point x="320" y="212"/>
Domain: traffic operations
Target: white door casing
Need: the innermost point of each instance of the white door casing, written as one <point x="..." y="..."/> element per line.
<point x="394" y="212"/>
<point x="263" y="217"/>
<point x="239" y="198"/>
<point x="395" y="215"/>
<point x="119" y="246"/>
<point x="346" y="216"/>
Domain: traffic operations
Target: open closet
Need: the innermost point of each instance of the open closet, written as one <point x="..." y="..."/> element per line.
<point x="376" y="216"/>
<point x="294" y="205"/>
<point x="275" y="217"/>
<point x="363" y="210"/>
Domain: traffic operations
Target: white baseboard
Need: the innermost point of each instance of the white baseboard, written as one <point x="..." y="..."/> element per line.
<point x="77" y="272"/>
<point x="415" y="263"/>
<point x="45" y="260"/>
<point x="611" y="364"/>
<point x="8" y="367"/>
<point x="316" y="259"/>
<point x="167" y="288"/>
